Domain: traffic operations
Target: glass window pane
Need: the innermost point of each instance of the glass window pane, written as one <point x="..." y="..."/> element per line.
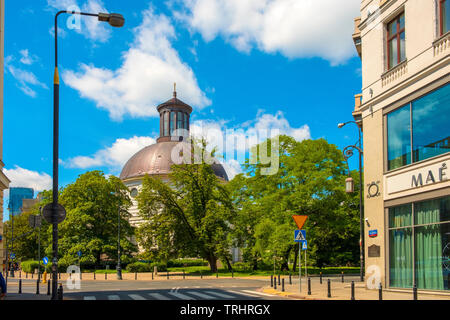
<point x="172" y="122"/>
<point x="432" y="251"/>
<point x="393" y="57"/>
<point x="186" y="122"/>
<point x="400" y="216"/>
<point x="432" y="211"/>
<point x="445" y="15"/>
<point x="402" y="21"/>
<point x="402" y="47"/>
<point x="399" y="138"/>
<point x="400" y="258"/>
<point x="392" y="27"/>
<point x="166" y="124"/>
<point x="431" y="118"/>
<point x="179" y="120"/>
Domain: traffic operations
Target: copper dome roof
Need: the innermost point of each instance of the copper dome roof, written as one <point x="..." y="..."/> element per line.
<point x="156" y="159"/>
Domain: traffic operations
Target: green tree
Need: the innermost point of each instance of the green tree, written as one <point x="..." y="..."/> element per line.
<point x="189" y="215"/>
<point x="93" y="203"/>
<point x="309" y="181"/>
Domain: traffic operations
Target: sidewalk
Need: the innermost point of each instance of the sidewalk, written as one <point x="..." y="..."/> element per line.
<point x="26" y="296"/>
<point x="342" y="291"/>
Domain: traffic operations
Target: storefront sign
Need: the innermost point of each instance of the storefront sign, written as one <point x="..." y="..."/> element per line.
<point x="414" y="180"/>
<point x="373" y="233"/>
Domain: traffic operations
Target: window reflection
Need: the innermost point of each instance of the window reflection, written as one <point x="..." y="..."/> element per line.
<point x="399" y="138"/>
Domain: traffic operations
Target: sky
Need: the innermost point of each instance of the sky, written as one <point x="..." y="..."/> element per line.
<point x="288" y="65"/>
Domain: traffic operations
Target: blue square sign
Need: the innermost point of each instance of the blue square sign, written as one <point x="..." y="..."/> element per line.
<point x="300" y="235"/>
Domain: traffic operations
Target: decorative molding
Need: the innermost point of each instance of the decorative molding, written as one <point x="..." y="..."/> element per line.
<point x="394" y="74"/>
<point x="441" y="45"/>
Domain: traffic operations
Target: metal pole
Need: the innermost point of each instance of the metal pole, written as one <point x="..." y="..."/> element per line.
<point x="119" y="269"/>
<point x="306" y="268"/>
<point x="309" y="286"/>
<point x="39" y="242"/>
<point x="12" y="245"/>
<point x="361" y="212"/>
<point x="299" y="268"/>
<point x="380" y="292"/>
<point x="271" y="280"/>
<point x="353" y="291"/>
<point x="329" y="289"/>
<point x="282" y="285"/>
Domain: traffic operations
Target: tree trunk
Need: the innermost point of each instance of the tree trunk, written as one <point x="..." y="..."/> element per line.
<point x="228" y="264"/>
<point x="212" y="263"/>
<point x="285" y="264"/>
<point x="294" y="267"/>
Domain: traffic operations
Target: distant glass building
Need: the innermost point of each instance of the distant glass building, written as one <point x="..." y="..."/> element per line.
<point x="16" y="195"/>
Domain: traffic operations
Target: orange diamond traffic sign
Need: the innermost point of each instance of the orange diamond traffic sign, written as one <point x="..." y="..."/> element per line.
<point x="300" y="220"/>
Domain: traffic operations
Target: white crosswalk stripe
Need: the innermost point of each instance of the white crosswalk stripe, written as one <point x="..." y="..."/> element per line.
<point x="201" y="295"/>
<point x="136" y="297"/>
<point x="113" y="297"/>
<point x="90" y="298"/>
<point x="159" y="296"/>
<point x="258" y="293"/>
<point x="221" y="295"/>
<point x="181" y="296"/>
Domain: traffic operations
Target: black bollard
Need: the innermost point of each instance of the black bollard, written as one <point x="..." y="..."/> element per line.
<point x="217" y="274"/>
<point x="275" y="283"/>
<point x="309" y="286"/>
<point x="60" y="292"/>
<point x="48" y="287"/>
<point x="279" y="280"/>
<point x="282" y="285"/>
<point x="353" y="291"/>
<point x="321" y="277"/>
<point x="415" y="292"/>
<point x="167" y="275"/>
<point x="290" y="278"/>
<point x="271" y="280"/>
<point x="20" y="286"/>
<point x="184" y="275"/>
<point x="152" y="275"/>
<point x="31" y="275"/>
<point x="94" y="275"/>
<point x="26" y="275"/>
<point x="342" y="276"/>
<point x="106" y="276"/>
<point x="380" y="292"/>
<point x="20" y="274"/>
<point x="135" y="276"/>
<point x="37" y="286"/>
<point x="329" y="289"/>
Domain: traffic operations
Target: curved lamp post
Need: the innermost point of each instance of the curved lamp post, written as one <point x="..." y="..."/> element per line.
<point x="115" y="20"/>
<point x="349" y="188"/>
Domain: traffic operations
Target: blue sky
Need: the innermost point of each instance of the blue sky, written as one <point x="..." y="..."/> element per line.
<point x="284" y="64"/>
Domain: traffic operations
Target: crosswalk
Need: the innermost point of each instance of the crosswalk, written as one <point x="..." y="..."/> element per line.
<point x="174" y="294"/>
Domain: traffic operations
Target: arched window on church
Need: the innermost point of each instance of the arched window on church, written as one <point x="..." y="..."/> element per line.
<point x="166" y="124"/>
<point x="172" y="122"/>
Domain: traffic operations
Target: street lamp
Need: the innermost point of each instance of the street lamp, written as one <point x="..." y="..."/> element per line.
<point x="115" y="20"/>
<point x="349" y="188"/>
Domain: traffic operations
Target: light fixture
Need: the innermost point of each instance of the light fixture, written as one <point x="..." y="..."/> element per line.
<point x="340" y="125"/>
<point x="349" y="185"/>
<point x="114" y="19"/>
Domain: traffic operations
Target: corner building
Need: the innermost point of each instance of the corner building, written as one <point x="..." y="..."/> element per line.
<point x="404" y="110"/>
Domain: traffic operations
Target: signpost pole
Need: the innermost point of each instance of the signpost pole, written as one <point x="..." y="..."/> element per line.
<point x="306" y="270"/>
<point x="299" y="267"/>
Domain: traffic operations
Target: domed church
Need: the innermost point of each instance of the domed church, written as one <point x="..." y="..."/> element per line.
<point x="156" y="159"/>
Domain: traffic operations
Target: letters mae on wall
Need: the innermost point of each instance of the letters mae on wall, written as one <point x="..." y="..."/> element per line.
<point x="419" y="178"/>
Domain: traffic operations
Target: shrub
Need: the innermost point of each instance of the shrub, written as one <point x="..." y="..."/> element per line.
<point x="186" y="263"/>
<point x="30" y="266"/>
<point x="242" y="266"/>
<point x="139" y="267"/>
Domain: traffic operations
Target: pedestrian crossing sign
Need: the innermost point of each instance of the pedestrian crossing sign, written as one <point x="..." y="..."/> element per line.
<point x="304" y="245"/>
<point x="299" y="235"/>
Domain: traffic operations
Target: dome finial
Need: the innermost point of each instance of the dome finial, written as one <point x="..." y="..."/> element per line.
<point x="174" y="89"/>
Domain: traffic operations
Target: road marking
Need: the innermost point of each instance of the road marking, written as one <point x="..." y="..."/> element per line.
<point x="259" y="293"/>
<point x="243" y="294"/>
<point x="113" y="297"/>
<point x="201" y="295"/>
<point x="222" y="295"/>
<point x="159" y="296"/>
<point x="136" y="297"/>
<point x="89" y="298"/>
<point x="181" y="296"/>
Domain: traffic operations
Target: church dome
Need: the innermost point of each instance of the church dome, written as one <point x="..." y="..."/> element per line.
<point x="156" y="159"/>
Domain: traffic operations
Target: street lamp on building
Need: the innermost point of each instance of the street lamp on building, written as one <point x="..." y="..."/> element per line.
<point x="349" y="188"/>
<point x="115" y="20"/>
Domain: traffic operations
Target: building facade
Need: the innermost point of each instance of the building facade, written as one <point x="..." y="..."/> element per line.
<point x="4" y="182"/>
<point x="16" y="197"/>
<point x="404" y="111"/>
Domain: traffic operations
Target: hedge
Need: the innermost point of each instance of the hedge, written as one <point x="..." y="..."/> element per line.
<point x="145" y="267"/>
<point x="186" y="263"/>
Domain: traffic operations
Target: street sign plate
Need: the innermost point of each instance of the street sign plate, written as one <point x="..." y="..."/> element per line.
<point x="79" y="253"/>
<point x="300" y="220"/>
<point x="12" y="256"/>
<point x="45" y="260"/>
<point x="47" y="212"/>
<point x="299" y="235"/>
<point x="34" y="221"/>
<point x="305" y="245"/>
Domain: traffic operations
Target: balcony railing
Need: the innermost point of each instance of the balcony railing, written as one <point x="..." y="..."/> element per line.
<point x="441" y="45"/>
<point x="394" y="74"/>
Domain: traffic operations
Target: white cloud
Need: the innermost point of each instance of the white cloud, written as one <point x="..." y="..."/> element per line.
<point x="27" y="80"/>
<point x="114" y="156"/>
<point x="26" y="58"/>
<point x="21" y="177"/>
<point x="294" y="28"/>
<point x="146" y="77"/>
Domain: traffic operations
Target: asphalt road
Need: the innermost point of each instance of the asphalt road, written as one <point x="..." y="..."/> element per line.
<point x="192" y="289"/>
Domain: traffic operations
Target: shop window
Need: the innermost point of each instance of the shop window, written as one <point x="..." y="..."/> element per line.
<point x="420" y="254"/>
<point x="396" y="41"/>
<point x="444" y="16"/>
<point x="419" y="130"/>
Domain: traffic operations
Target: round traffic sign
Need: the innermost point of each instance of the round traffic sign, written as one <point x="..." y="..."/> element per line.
<point x="12" y="256"/>
<point x="50" y="217"/>
<point x="45" y="260"/>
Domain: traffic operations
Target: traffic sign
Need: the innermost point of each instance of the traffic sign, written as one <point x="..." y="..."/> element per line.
<point x="305" y="245"/>
<point x="300" y="220"/>
<point x="60" y="213"/>
<point x="299" y="235"/>
<point x="79" y="253"/>
<point x="45" y="261"/>
<point x="12" y="256"/>
<point x="34" y="221"/>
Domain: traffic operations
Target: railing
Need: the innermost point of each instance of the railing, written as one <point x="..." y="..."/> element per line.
<point x="395" y="73"/>
<point x="441" y="45"/>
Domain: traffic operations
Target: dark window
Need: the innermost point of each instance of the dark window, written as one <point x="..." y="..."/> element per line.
<point x="172" y="122"/>
<point x="444" y="13"/>
<point x="179" y="120"/>
<point x="396" y="41"/>
<point x="186" y="117"/>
